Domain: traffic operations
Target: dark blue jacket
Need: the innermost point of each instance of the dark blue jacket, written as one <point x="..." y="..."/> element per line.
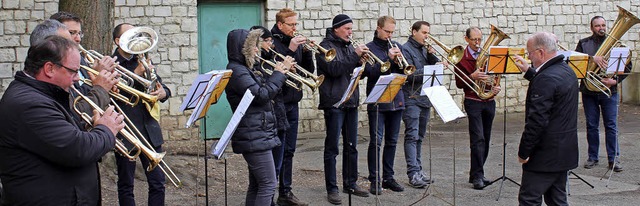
<point x="380" y="48"/>
<point x="550" y="137"/>
<point x="337" y="73"/>
<point x="256" y="130"/>
<point x="418" y="56"/>
<point x="302" y="57"/>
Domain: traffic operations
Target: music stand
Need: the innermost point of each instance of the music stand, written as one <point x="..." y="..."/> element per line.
<point x="501" y="61"/>
<point x="353" y="85"/>
<point x="205" y="90"/>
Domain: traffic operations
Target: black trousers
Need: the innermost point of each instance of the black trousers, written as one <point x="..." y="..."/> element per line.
<point x="480" y="116"/>
<point x="553" y="185"/>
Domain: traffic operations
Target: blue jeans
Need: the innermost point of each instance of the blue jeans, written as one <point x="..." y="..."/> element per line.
<point x="592" y="105"/>
<point x="341" y="121"/>
<point x="262" y="178"/>
<point x="415" y="121"/>
<point x="126" y="172"/>
<point x="382" y="124"/>
<point x="289" y="146"/>
<point x="480" y="115"/>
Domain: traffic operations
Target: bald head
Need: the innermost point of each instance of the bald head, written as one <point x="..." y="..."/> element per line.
<point x="541" y="47"/>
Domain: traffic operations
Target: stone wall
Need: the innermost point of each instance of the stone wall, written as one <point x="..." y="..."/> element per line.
<point x="176" y="22"/>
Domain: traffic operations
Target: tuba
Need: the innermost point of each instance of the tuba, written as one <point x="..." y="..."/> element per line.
<point x="622" y="24"/>
<point x="139" y="41"/>
<point x="494" y="39"/>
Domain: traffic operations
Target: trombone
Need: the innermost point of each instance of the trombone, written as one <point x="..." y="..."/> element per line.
<point x="129" y="76"/>
<point x="372" y="59"/>
<point x="402" y="62"/>
<point x="135" y="94"/>
<point x="155" y="159"/>
<point x="454" y="56"/>
<point x="317" y="80"/>
<point x="316" y="48"/>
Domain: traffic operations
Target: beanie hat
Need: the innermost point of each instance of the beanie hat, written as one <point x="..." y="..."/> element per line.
<point x="339" y="20"/>
<point x="265" y="32"/>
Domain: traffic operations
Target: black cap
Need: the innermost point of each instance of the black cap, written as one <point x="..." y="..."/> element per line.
<point x="265" y="32"/>
<point x="339" y="20"/>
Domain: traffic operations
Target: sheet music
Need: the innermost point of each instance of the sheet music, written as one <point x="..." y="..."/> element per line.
<point x="355" y="76"/>
<point x="200" y="103"/>
<point x="197" y="88"/>
<point x="384" y="82"/>
<point x="428" y="78"/>
<point x="221" y="145"/>
<point x="577" y="61"/>
<point x="443" y="103"/>
<point x="617" y="60"/>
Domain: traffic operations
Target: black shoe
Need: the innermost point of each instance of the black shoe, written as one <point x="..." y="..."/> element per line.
<point x="478" y="184"/>
<point x="616" y="168"/>
<point x="392" y="185"/>
<point x="289" y="199"/>
<point x="357" y="191"/>
<point x="334" y="198"/>
<point x="375" y="188"/>
<point x="590" y="164"/>
<point x="484" y="180"/>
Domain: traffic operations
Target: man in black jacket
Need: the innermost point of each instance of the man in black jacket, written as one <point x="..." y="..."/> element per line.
<point x="549" y="144"/>
<point x="143" y="116"/>
<point x="417" y="108"/>
<point x="286" y="43"/>
<point x="46" y="158"/>
<point x="343" y="119"/>
<point x="594" y="101"/>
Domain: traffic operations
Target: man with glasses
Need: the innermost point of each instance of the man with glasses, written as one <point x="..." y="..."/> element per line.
<point x="384" y="118"/>
<point x="480" y="112"/>
<point x="44" y="150"/>
<point x="286" y="43"/>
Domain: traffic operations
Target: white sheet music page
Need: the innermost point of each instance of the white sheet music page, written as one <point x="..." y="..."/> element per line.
<point x="202" y="100"/>
<point x="196" y="89"/>
<point x="222" y="143"/>
<point x="442" y="101"/>
<point x="355" y="76"/>
<point x="617" y="60"/>
<point x="428" y="78"/>
<point x="379" y="88"/>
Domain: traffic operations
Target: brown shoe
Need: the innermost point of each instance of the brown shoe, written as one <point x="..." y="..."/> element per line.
<point x="334" y="198"/>
<point x="289" y="199"/>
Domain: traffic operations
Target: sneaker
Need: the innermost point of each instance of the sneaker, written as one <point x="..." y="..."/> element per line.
<point x="375" y="188"/>
<point x="392" y="185"/>
<point x="416" y="181"/>
<point x="289" y="199"/>
<point x="617" y="167"/>
<point x="334" y="198"/>
<point x="590" y="164"/>
<point x="357" y="191"/>
<point x="425" y="177"/>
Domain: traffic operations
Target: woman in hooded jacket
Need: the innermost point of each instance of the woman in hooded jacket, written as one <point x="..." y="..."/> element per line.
<point x="255" y="135"/>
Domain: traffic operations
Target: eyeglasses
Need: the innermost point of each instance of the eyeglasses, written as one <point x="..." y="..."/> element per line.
<point x="476" y="39"/>
<point x="79" y="33"/>
<point x="388" y="32"/>
<point x="529" y="53"/>
<point x="291" y="24"/>
<point x="73" y="72"/>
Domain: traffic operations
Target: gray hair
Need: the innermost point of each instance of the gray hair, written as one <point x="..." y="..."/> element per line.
<point x="47" y="28"/>
<point x="546" y="41"/>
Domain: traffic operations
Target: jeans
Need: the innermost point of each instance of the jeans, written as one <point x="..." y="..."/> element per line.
<point x="592" y="105"/>
<point x="415" y="121"/>
<point x="126" y="172"/>
<point x="289" y="146"/>
<point x="262" y="178"/>
<point x="480" y="115"/>
<point x="341" y="121"/>
<point x="382" y="124"/>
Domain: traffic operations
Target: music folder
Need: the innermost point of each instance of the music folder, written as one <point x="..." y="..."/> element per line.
<point x="501" y="60"/>
<point x="442" y="101"/>
<point x="617" y="60"/>
<point x="205" y="90"/>
<point x="577" y="61"/>
<point x="353" y="85"/>
<point x="386" y="88"/>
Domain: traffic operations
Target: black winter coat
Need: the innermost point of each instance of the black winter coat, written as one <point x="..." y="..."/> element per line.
<point x="550" y="137"/>
<point x="302" y="57"/>
<point x="416" y="55"/>
<point x="337" y="73"/>
<point x="380" y="48"/>
<point x="256" y="130"/>
<point x="45" y="158"/>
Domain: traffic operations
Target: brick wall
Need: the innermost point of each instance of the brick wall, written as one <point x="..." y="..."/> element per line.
<point x="176" y="23"/>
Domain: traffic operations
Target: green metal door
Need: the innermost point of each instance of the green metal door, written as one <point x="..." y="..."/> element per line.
<point x="215" y="20"/>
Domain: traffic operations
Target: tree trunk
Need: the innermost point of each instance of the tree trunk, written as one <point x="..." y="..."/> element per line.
<point x="97" y="22"/>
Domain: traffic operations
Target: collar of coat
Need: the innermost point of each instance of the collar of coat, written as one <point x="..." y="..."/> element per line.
<point x="277" y="34"/>
<point x="557" y="59"/>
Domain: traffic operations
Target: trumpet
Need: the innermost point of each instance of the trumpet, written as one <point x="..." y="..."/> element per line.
<point x="312" y="85"/>
<point x="136" y="95"/>
<point x="372" y="59"/>
<point x="317" y="80"/>
<point x="140" y="40"/>
<point x="402" y="62"/>
<point x="129" y="76"/>
<point x="316" y="48"/>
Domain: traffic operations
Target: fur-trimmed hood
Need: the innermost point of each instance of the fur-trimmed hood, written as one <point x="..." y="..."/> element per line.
<point x="240" y="44"/>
